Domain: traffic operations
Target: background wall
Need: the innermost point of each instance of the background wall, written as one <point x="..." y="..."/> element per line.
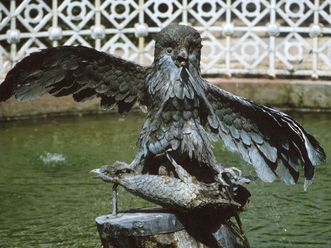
<point x="240" y="37"/>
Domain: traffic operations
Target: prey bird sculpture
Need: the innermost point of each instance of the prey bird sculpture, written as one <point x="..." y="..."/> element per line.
<point x="183" y="193"/>
<point x="184" y="112"/>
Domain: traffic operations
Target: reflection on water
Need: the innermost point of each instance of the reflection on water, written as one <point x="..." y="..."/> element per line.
<point x="48" y="198"/>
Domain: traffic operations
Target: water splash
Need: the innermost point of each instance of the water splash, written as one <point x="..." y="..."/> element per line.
<point x="49" y="158"/>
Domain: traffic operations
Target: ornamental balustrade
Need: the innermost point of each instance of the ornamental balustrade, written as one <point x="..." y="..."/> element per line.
<point x="257" y="37"/>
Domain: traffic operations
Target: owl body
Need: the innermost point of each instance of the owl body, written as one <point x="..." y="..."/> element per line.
<point x="175" y="124"/>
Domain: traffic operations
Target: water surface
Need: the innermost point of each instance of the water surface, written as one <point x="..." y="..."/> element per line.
<point x="48" y="198"/>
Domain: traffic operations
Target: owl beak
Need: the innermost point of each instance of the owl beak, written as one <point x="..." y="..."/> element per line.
<point x="182" y="56"/>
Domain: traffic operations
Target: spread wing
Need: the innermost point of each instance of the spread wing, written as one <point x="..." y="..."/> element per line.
<point x="270" y="140"/>
<point x="79" y="71"/>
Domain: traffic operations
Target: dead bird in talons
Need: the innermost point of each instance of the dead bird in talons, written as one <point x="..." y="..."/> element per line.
<point x="183" y="193"/>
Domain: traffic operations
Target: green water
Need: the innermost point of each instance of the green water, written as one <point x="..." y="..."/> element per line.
<point x="54" y="204"/>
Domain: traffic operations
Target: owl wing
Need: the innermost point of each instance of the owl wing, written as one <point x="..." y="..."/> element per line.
<point x="79" y="71"/>
<point x="270" y="140"/>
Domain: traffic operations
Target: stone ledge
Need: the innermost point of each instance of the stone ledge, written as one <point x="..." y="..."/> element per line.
<point x="47" y="105"/>
<point x="281" y="93"/>
<point x="284" y="93"/>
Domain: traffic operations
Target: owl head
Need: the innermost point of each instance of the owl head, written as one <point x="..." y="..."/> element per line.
<point x="180" y="43"/>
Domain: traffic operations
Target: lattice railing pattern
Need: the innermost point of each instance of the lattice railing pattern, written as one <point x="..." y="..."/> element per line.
<point x="268" y="37"/>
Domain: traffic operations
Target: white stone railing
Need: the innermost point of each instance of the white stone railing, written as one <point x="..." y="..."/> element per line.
<point x="257" y="37"/>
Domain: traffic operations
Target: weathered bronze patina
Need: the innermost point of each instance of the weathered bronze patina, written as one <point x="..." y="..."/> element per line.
<point x="184" y="114"/>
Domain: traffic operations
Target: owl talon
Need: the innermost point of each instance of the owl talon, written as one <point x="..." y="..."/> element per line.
<point x="229" y="175"/>
<point x="233" y="171"/>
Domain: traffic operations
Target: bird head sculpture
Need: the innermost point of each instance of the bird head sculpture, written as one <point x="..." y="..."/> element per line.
<point x="180" y="45"/>
<point x="112" y="173"/>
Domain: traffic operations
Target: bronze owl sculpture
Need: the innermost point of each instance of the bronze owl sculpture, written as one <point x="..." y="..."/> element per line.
<point x="184" y="112"/>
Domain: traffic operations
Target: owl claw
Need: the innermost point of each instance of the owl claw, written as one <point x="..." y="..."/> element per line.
<point x="223" y="182"/>
<point x="233" y="171"/>
<point x="231" y="174"/>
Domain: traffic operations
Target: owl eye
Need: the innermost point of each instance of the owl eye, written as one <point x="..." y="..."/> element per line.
<point x="169" y="50"/>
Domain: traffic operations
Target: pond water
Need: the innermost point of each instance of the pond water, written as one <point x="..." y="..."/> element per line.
<point x="49" y="199"/>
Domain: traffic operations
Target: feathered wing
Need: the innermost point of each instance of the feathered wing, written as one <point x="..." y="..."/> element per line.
<point x="79" y="71"/>
<point x="270" y="140"/>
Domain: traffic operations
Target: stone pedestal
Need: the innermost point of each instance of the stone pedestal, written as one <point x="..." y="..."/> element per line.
<point x="149" y="228"/>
